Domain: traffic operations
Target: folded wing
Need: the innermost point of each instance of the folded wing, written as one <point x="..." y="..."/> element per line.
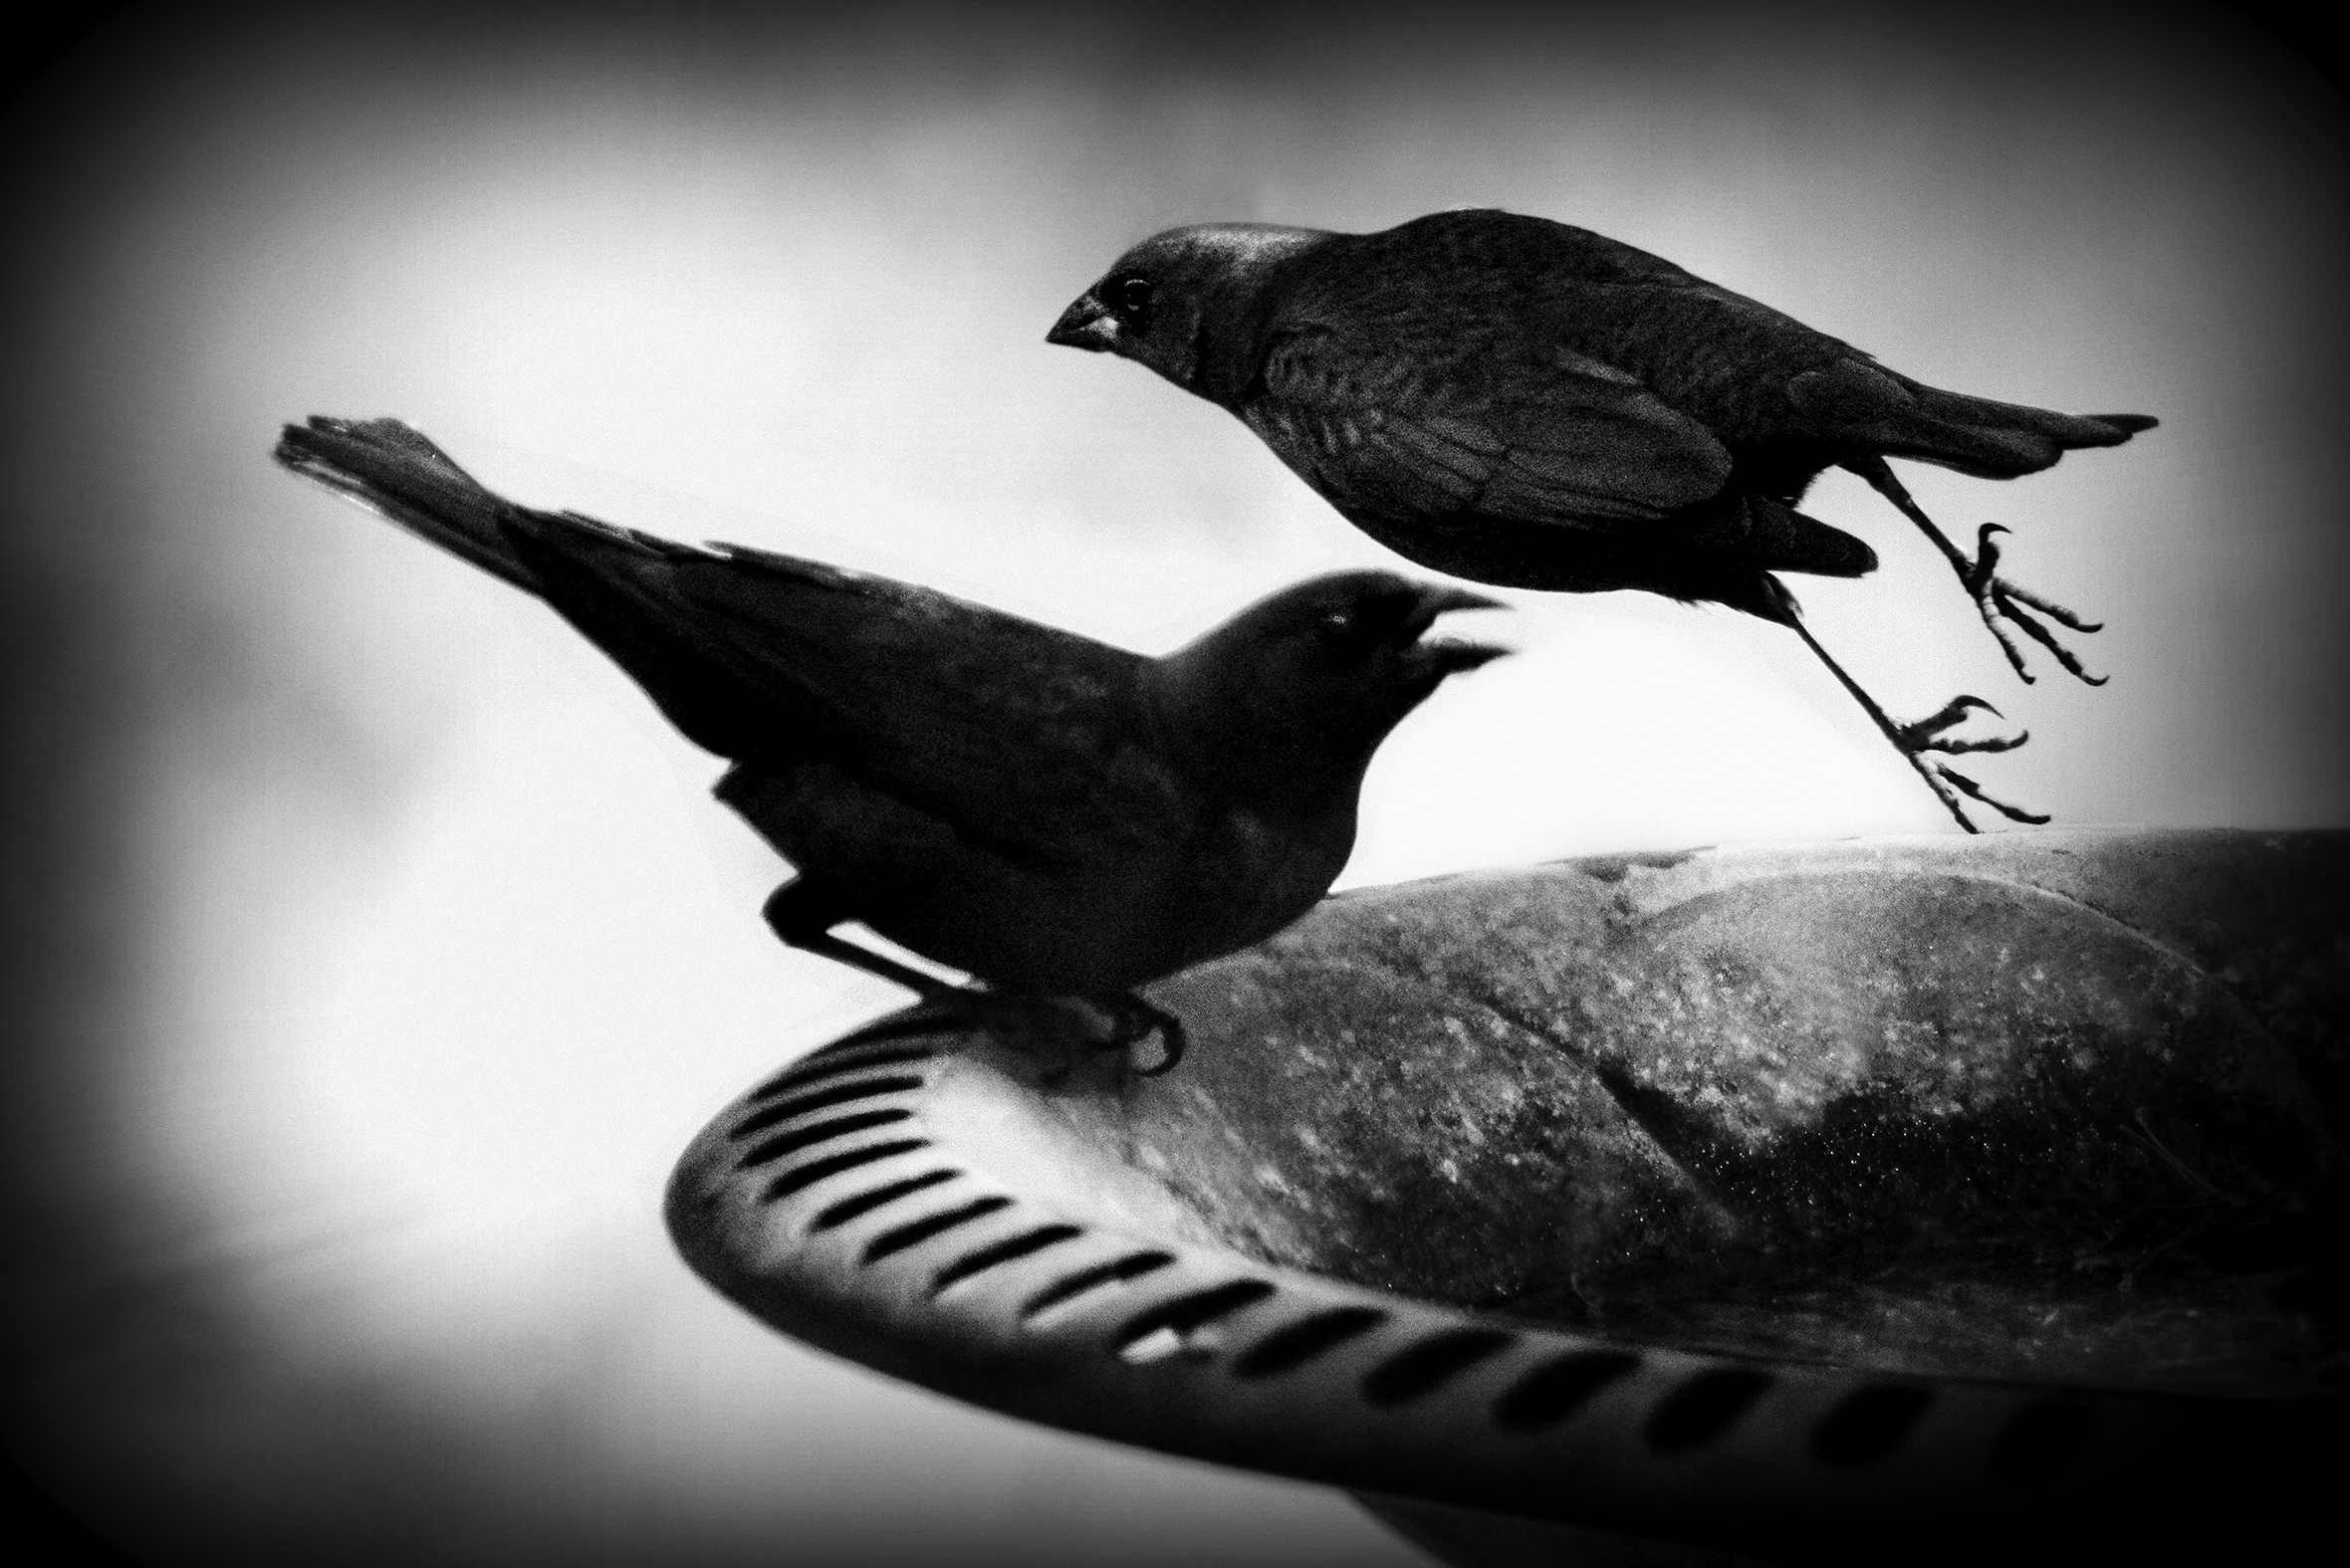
<point x="1020" y="736"/>
<point x="1013" y="735"/>
<point x="1399" y="429"/>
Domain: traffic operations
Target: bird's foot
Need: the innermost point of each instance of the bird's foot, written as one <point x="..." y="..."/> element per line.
<point x="1931" y="735"/>
<point x="1055" y="1033"/>
<point x="1999" y="601"/>
<point x="1137" y="1022"/>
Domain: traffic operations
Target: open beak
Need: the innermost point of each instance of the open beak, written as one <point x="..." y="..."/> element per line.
<point x="1087" y="325"/>
<point x="1446" y="655"/>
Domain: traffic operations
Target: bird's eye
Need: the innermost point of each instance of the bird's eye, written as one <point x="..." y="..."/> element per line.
<point x="1338" y="622"/>
<point x="1133" y="294"/>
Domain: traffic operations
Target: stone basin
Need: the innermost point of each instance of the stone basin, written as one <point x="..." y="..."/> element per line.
<point x="1929" y="1194"/>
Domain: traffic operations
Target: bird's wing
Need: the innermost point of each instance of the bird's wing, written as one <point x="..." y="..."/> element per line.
<point x="1382" y="424"/>
<point x="1023" y="738"/>
<point x="1029" y="740"/>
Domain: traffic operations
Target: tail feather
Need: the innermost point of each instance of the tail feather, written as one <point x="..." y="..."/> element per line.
<point x="616" y="586"/>
<point x="1857" y="403"/>
<point x="1993" y="440"/>
<point x="621" y="591"/>
<point x="395" y="473"/>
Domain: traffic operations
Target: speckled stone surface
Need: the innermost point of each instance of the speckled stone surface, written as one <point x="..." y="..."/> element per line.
<point x="2058" y="1105"/>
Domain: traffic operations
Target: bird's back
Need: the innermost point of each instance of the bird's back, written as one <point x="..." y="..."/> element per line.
<point x="1014" y="736"/>
<point x="1489" y="298"/>
<point x="1486" y="297"/>
<point x="1006" y="732"/>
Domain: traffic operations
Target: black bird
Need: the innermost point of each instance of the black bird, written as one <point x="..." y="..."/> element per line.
<point x="1525" y="404"/>
<point x="1055" y="816"/>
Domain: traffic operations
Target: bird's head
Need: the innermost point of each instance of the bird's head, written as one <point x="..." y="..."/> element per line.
<point x="1286" y="701"/>
<point x="1154" y="304"/>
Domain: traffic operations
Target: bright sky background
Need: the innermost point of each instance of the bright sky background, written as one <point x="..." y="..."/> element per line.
<point x="441" y="951"/>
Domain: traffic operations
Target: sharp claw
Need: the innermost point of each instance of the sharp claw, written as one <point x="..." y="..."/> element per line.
<point x="1942" y="793"/>
<point x="2049" y="607"/>
<point x="1949" y="713"/>
<point x="1138" y="1020"/>
<point x="1948" y="782"/>
<point x="2011" y="813"/>
<point x="1986" y="603"/>
<point x="2045" y="637"/>
<point x="1171" y="1038"/>
<point x="1996" y="743"/>
<point x="1953" y="712"/>
<point x="1926" y="734"/>
<point x="1998" y="599"/>
<point x="1993" y="595"/>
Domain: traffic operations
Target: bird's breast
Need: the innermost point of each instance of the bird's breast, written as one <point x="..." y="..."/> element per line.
<point x="1251" y="873"/>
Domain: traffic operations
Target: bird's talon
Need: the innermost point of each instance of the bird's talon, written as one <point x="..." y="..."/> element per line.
<point x="1986" y="603"/>
<point x="1997" y="600"/>
<point x="1981" y="576"/>
<point x="1172" y="1038"/>
<point x="1933" y="775"/>
<point x="1927" y="735"/>
<point x="2007" y="604"/>
<point x="2071" y="618"/>
<point x="2013" y="813"/>
<point x="1949" y="713"/>
<point x="1136" y="1020"/>
<point x="1170" y="1052"/>
<point x="1994" y="743"/>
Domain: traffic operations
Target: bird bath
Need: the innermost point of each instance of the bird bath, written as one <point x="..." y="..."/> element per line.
<point x="1910" y="1195"/>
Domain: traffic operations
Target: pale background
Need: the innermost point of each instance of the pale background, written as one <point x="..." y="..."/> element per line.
<point x="380" y="944"/>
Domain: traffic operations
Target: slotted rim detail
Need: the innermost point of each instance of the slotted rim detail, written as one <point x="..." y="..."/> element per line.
<point x="844" y="1201"/>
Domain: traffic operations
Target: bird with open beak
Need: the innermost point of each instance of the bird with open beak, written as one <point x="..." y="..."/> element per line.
<point x="1055" y="816"/>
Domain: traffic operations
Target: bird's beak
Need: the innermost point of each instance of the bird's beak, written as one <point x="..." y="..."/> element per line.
<point x="1086" y="324"/>
<point x="1446" y="655"/>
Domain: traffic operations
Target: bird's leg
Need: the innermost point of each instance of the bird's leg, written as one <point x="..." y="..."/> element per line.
<point x="803" y="911"/>
<point x="1996" y="599"/>
<point x="1915" y="740"/>
<point x="1137" y="1022"/>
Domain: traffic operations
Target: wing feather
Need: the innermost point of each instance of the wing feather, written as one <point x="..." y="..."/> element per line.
<point x="1020" y="736"/>
<point x="1570" y="441"/>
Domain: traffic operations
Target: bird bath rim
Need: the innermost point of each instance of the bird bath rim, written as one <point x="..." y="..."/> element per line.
<point x="907" y="1199"/>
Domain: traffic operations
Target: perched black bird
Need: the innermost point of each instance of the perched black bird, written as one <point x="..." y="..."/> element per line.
<point x="1520" y="402"/>
<point x="1057" y="817"/>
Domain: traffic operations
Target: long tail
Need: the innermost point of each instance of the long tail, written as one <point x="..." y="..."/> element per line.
<point x="1990" y="440"/>
<point x="617" y="585"/>
<point x="1858" y="404"/>
<point x="395" y="473"/>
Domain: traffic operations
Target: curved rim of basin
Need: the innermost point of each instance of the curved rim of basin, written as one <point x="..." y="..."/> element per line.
<point x="906" y="1198"/>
